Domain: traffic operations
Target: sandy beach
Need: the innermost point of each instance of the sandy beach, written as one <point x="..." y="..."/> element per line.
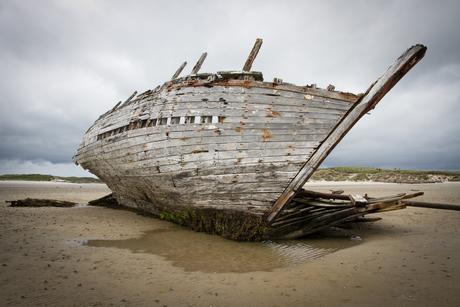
<point x="409" y="258"/>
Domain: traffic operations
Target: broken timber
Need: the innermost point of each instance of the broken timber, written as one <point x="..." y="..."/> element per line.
<point x="228" y="144"/>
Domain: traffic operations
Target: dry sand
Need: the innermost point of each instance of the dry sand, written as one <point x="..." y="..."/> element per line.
<point x="410" y="258"/>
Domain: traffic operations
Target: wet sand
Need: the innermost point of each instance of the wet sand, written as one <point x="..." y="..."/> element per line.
<point x="410" y="258"/>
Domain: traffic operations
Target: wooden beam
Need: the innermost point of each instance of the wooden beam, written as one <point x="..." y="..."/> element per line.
<point x="252" y="55"/>
<point x="179" y="70"/>
<point x="198" y="64"/>
<point x="313" y="194"/>
<point x="129" y="99"/>
<point x="430" y="205"/>
<point x="367" y="102"/>
<point x="358" y="200"/>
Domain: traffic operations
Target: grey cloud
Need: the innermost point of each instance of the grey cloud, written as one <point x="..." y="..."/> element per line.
<point x="66" y="62"/>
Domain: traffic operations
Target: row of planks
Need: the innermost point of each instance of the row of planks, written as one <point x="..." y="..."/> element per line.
<point x="243" y="162"/>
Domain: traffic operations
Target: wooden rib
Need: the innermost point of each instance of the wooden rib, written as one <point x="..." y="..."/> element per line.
<point x="252" y="55"/>
<point x="198" y="64"/>
<point x="179" y="70"/>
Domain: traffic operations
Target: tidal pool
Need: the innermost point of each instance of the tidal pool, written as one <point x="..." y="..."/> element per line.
<point x="194" y="251"/>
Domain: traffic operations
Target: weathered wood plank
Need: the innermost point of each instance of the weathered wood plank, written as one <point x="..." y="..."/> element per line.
<point x="182" y="148"/>
<point x="179" y="70"/>
<point x="174" y="163"/>
<point x="252" y="56"/>
<point x="312" y="112"/>
<point x="224" y="98"/>
<point x="154" y="141"/>
<point x="298" y="118"/>
<point x="179" y="147"/>
<point x="124" y="140"/>
<point x="198" y="64"/>
<point x="240" y="86"/>
<point x="276" y="167"/>
<point x="260" y="177"/>
<point x="109" y="126"/>
<point x="227" y="163"/>
<point x="357" y="200"/>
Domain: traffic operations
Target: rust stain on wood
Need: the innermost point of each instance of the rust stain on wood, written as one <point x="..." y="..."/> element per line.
<point x="266" y="134"/>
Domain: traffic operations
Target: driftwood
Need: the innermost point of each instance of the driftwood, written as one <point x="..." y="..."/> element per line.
<point x="430" y="205"/>
<point x="35" y="202"/>
<point x="313" y="211"/>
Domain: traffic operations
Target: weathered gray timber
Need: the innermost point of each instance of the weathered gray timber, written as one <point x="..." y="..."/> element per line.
<point x="227" y="142"/>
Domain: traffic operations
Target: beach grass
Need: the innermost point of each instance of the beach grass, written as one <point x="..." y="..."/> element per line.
<point x="355" y="173"/>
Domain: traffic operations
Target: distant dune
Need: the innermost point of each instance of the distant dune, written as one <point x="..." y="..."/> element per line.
<point x="353" y="173"/>
<point x="49" y="178"/>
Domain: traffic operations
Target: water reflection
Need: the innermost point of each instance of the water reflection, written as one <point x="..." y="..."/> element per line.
<point x="195" y="251"/>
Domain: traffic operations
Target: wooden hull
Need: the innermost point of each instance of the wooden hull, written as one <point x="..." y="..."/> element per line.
<point x="226" y="142"/>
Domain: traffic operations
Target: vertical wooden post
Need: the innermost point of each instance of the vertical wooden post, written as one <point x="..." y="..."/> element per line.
<point x="252" y="55"/>
<point x="198" y="64"/>
<point x="178" y="71"/>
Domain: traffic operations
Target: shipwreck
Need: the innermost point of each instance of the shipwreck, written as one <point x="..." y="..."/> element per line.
<point x="229" y="153"/>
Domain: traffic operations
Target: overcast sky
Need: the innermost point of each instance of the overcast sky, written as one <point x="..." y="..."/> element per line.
<point x="65" y="62"/>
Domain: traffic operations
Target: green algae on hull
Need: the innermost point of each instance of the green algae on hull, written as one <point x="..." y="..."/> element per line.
<point x="230" y="225"/>
<point x="227" y="224"/>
